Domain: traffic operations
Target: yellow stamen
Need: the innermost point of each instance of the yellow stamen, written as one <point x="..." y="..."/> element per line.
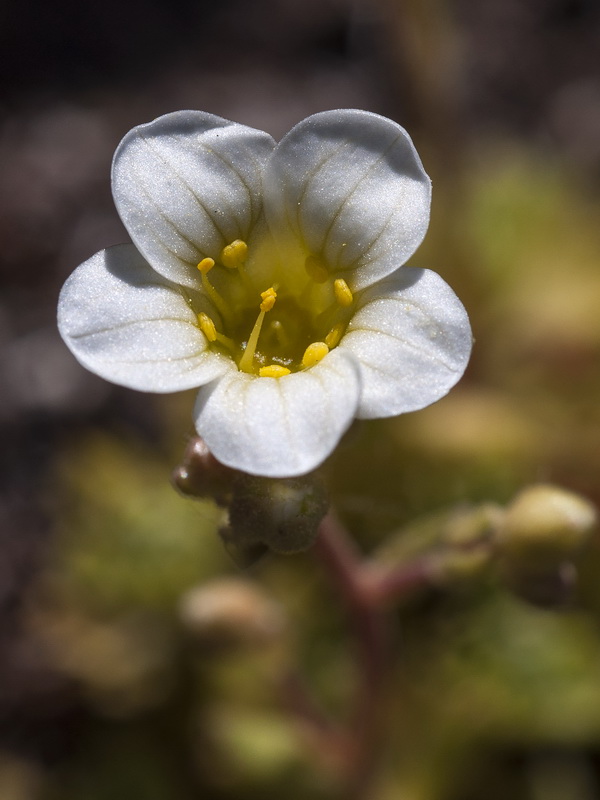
<point x="207" y="326"/>
<point x="206" y="265"/>
<point x="334" y="336"/>
<point x="314" y="353"/>
<point x="235" y="254"/>
<point x="268" y="298"/>
<point x="247" y="359"/>
<point x="222" y="339"/>
<point x="273" y="371"/>
<point x="316" y="269"/>
<point x="342" y="292"/>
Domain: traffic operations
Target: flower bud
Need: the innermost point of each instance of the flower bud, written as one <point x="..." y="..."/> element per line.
<point x="201" y="475"/>
<point x="472" y="526"/>
<point x="230" y="612"/>
<point x="282" y="514"/>
<point x="456" y="566"/>
<point x="545" y="525"/>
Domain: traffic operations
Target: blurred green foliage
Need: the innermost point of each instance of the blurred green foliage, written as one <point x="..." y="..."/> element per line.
<point x="490" y="697"/>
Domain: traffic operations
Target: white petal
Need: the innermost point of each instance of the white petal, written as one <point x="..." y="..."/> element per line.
<point x="186" y="185"/>
<point x="412" y="338"/>
<point x="279" y="427"/>
<point x="133" y="327"/>
<point x="352" y="189"/>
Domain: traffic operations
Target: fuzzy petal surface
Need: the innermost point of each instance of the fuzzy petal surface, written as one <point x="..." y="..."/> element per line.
<point x="186" y="185"/>
<point x="350" y="187"/>
<point x="128" y="324"/>
<point x="412" y="339"/>
<point x="279" y="427"/>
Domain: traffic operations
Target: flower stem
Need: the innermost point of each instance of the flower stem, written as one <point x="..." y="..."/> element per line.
<point x="343" y="563"/>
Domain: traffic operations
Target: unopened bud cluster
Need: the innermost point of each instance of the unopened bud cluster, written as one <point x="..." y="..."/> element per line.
<point x="279" y="514"/>
<point x="546" y="524"/>
<point x="541" y="535"/>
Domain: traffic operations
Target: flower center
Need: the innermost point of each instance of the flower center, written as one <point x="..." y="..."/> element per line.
<point x="275" y="329"/>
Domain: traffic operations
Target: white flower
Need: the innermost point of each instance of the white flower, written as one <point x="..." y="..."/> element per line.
<point x="269" y="275"/>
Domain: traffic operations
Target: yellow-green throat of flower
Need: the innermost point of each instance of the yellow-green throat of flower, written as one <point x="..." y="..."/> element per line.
<point x="295" y="327"/>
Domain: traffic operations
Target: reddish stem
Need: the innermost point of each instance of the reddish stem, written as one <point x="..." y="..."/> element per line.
<point x="343" y="562"/>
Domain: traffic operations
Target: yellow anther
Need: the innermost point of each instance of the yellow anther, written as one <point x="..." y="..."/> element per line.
<point x="273" y="371"/>
<point x="268" y="299"/>
<point x="314" y="353"/>
<point x="316" y="269"/>
<point x="207" y="326"/>
<point x="342" y="292"/>
<point x="235" y="254"/>
<point x="206" y="265"/>
<point x="335" y="334"/>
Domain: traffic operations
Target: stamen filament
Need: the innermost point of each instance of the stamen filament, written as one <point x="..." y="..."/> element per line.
<point x="225" y="340"/>
<point x="247" y="359"/>
<point x="205" y="267"/>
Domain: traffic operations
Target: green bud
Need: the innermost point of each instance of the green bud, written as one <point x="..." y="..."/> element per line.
<point x="545" y="525"/>
<point x="282" y="514"/>
<point x="472" y="526"/>
<point x="201" y="475"/>
<point x="456" y="566"/>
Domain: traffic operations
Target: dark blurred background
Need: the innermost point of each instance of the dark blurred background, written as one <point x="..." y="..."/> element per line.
<point x="99" y="694"/>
